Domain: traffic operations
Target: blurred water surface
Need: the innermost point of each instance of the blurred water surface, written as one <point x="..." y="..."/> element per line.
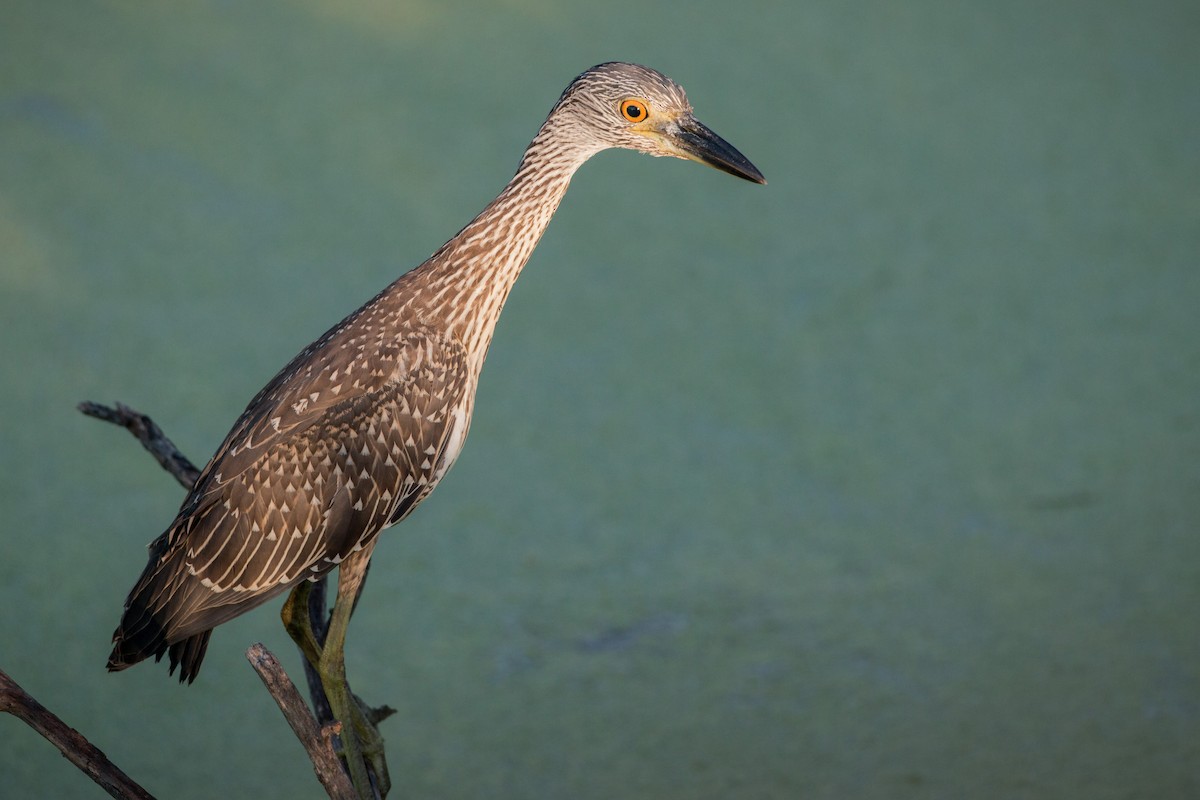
<point x="879" y="481"/>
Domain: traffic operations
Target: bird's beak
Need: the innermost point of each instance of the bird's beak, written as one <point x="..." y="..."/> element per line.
<point x="693" y="140"/>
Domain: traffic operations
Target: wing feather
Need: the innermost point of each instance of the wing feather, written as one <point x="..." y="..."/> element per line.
<point x="299" y="486"/>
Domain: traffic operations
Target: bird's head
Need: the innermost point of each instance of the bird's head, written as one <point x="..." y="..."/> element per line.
<point x="638" y="108"/>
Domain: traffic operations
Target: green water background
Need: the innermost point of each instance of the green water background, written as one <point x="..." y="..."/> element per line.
<point x="880" y="481"/>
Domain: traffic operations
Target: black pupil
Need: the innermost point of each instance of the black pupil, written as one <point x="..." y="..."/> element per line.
<point x="634" y="111"/>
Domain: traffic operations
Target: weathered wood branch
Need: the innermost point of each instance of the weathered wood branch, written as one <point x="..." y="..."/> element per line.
<point x="74" y="747"/>
<point x="151" y="437"/>
<point x="317" y="740"/>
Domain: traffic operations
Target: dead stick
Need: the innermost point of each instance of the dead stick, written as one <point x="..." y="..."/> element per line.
<point x="70" y="742"/>
<point x="325" y="761"/>
<point x="151" y="437"/>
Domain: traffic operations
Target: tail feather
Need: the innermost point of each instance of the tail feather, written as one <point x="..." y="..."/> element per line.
<point x="151" y="624"/>
<point x="186" y="654"/>
<point x="140" y="636"/>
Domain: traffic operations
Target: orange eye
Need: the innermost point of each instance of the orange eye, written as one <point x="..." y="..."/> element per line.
<point x="635" y="109"/>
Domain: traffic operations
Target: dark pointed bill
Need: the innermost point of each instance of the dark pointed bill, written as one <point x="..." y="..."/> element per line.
<point x="701" y="144"/>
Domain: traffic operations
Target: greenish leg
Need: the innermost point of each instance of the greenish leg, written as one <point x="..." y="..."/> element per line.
<point x="359" y="736"/>
<point x="296" y="620"/>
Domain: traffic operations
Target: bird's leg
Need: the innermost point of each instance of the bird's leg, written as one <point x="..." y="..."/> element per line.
<point x="322" y="646"/>
<point x="306" y="621"/>
<point x="359" y="736"/>
<point x="299" y="625"/>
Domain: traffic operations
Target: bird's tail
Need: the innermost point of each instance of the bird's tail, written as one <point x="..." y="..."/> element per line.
<point x="151" y="626"/>
<point x="186" y="654"/>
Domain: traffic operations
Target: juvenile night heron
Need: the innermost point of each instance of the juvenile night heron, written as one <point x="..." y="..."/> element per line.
<point x="361" y="426"/>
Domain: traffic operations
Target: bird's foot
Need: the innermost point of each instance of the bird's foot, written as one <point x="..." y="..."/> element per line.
<point x="365" y="723"/>
<point x="361" y="744"/>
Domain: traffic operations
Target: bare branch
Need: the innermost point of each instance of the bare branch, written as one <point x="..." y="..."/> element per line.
<point x="74" y="747"/>
<point x="151" y="437"/>
<point x="319" y="744"/>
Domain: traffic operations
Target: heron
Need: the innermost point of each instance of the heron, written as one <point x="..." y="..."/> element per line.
<point x="357" y="430"/>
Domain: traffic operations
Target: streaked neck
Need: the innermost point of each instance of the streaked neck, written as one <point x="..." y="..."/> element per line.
<point x="466" y="282"/>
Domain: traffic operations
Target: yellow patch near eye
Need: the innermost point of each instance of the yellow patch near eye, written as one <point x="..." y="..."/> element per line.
<point x="635" y="109"/>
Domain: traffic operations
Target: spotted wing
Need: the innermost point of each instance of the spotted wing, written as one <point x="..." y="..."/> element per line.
<point x="303" y="493"/>
<point x="350" y="361"/>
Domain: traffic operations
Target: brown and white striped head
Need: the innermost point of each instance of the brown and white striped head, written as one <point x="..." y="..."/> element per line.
<point x="623" y="105"/>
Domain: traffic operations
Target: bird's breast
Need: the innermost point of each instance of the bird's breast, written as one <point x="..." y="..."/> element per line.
<point x="456" y="436"/>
